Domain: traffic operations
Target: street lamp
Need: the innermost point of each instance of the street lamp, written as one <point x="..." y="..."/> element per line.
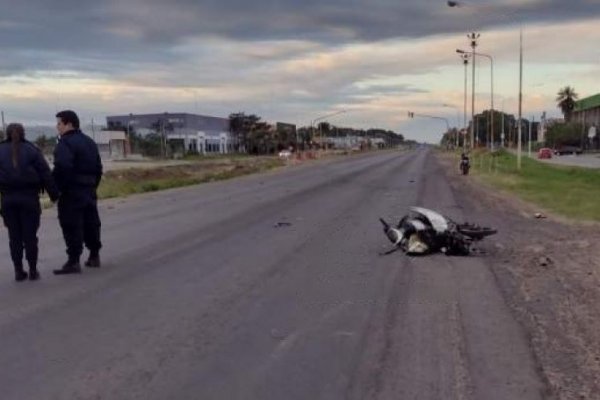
<point x="465" y="58"/>
<point x="457" y="4"/>
<point x="321" y="118"/>
<point x="492" y="93"/>
<point x="473" y="38"/>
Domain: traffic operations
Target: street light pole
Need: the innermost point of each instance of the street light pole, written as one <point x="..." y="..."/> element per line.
<point x="473" y="37"/>
<point x="465" y="58"/>
<point x="502" y="135"/>
<point x="489" y="57"/>
<point x="520" y="97"/>
<point x="321" y="118"/>
<point x="456" y="4"/>
<point x="529" y="141"/>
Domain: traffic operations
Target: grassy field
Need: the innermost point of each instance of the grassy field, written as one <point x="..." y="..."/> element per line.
<point x="569" y="191"/>
<point x="125" y="182"/>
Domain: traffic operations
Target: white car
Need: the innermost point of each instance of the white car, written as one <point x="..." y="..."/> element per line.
<point x="285" y="154"/>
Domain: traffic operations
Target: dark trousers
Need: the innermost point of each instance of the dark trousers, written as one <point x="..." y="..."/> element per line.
<point x="21" y="215"/>
<point x="80" y="222"/>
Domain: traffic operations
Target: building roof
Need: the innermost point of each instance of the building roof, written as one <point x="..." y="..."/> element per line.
<point x="169" y="120"/>
<point x="588" y="103"/>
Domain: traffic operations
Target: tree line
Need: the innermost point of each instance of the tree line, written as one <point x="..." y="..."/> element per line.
<point x="253" y="135"/>
<point x="557" y="133"/>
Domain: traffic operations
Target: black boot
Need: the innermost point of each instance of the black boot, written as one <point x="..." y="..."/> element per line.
<point x="34" y="274"/>
<point x="20" y="274"/>
<point x="72" y="266"/>
<point x="93" y="261"/>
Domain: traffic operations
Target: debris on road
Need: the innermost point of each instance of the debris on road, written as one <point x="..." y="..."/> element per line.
<point x="282" y="224"/>
<point x="544" y="261"/>
<point x="539" y="215"/>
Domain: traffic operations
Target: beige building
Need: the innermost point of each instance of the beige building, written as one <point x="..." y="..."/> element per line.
<point x="112" y="144"/>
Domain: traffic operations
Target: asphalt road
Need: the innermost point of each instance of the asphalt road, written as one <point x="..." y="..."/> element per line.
<point x="202" y="296"/>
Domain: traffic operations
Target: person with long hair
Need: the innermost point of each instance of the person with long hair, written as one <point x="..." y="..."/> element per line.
<point x="24" y="173"/>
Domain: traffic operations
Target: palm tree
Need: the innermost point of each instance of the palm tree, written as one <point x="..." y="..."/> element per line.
<point x="566" y="101"/>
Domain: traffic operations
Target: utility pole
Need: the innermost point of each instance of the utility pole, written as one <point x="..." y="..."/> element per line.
<point x="473" y="36"/>
<point x="529" y="144"/>
<point x="502" y="136"/>
<point x="162" y="138"/>
<point x="3" y="123"/>
<point x="454" y="3"/>
<point x="465" y="58"/>
<point x="520" y="98"/>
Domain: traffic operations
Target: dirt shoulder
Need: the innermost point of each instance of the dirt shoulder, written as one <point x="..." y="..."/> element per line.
<point x="549" y="272"/>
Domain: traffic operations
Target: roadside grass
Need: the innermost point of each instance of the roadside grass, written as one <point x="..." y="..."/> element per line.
<point x="218" y="156"/>
<point x="569" y="191"/>
<point x="120" y="183"/>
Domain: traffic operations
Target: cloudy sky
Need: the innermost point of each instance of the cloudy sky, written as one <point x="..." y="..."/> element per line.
<point x="289" y="60"/>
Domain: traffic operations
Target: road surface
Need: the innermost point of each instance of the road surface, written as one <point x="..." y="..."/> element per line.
<point x="266" y="287"/>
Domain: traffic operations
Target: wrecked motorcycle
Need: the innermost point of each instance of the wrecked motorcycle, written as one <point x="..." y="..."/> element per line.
<point x="424" y="231"/>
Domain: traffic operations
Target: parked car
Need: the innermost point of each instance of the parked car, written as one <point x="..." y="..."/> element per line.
<point x="567" y="150"/>
<point x="285" y="154"/>
<point x="545" y="153"/>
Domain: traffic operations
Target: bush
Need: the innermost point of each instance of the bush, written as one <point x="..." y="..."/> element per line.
<point x="150" y="187"/>
<point x="566" y="134"/>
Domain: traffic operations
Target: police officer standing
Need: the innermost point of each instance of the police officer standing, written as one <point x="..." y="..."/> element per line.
<point x="23" y="174"/>
<point x="77" y="172"/>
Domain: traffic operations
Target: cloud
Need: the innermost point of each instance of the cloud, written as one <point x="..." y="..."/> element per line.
<point x="286" y="60"/>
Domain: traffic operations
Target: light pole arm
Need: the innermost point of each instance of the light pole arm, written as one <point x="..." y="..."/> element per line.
<point x="434" y="117"/>
<point x="321" y="118"/>
<point x="328" y="115"/>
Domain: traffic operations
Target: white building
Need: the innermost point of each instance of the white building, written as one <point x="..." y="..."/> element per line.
<point x="112" y="144"/>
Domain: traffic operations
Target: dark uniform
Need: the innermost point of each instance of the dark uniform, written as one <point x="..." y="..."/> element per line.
<point x="77" y="172"/>
<point x="20" y="187"/>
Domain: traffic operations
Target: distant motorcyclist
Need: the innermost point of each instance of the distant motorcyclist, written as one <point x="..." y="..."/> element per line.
<point x="465" y="164"/>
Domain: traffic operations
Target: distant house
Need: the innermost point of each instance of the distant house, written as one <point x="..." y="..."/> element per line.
<point x="112" y="144"/>
<point x="587" y="111"/>
<point x="192" y="132"/>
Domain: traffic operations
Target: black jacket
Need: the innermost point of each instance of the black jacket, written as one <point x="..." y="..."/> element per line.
<point x="31" y="175"/>
<point x="77" y="162"/>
